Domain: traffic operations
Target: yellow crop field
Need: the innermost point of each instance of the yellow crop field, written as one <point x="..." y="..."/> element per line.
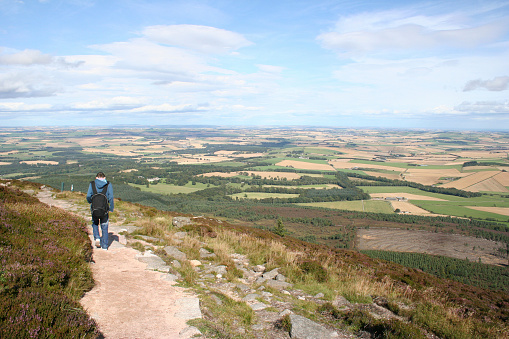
<point x="497" y="210"/>
<point x="265" y="175"/>
<point x="488" y="185"/>
<point x="119" y="152"/>
<point x="503" y="178"/>
<point x="342" y="164"/>
<point x="430" y="176"/>
<point x="406" y="207"/>
<point x="470" y="180"/>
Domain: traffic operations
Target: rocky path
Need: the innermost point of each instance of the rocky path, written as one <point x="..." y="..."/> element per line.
<point x="129" y="300"/>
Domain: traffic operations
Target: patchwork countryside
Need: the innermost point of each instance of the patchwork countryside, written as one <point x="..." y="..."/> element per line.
<point x="374" y="233"/>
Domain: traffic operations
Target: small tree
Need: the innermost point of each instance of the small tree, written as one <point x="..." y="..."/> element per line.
<point x="280" y="228"/>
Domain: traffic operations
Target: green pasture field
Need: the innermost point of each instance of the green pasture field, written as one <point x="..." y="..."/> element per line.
<point x="322" y="162"/>
<point x="459" y="209"/>
<point x="318" y="150"/>
<point x="162" y="188"/>
<point x="261" y="195"/>
<point x="374" y="206"/>
<point x="404" y="165"/>
<point x="31" y="155"/>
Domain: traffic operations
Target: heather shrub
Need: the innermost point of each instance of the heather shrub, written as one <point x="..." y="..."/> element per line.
<point x="35" y="313"/>
<point x="314" y="269"/>
<point x="43" y="270"/>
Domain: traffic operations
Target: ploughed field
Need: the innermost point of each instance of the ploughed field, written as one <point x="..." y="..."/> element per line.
<point x="449" y="245"/>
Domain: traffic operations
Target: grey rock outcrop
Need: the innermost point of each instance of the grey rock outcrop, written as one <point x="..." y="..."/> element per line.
<point x="206" y="254"/>
<point x="179" y="222"/>
<point x="278" y="285"/>
<point x="153" y="262"/>
<point x="174" y="252"/>
<point x="303" y="328"/>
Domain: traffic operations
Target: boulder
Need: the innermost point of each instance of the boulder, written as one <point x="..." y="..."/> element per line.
<point x="195" y="263"/>
<point x="251" y="296"/>
<point x="179" y="222"/>
<point x="280" y="277"/>
<point x="180" y="235"/>
<point x="278" y="285"/>
<point x="174" y="252"/>
<point x="206" y="254"/>
<point x="340" y="301"/>
<point x="303" y="328"/>
<point x="259" y="269"/>
<point x="271" y="275"/>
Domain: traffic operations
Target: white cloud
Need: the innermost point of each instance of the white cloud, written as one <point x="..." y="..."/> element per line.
<point x="169" y="108"/>
<point x="150" y="60"/>
<point x="403" y="30"/>
<point x="497" y="84"/>
<point x="25" y="85"/>
<point x="22" y="107"/>
<point x="484" y="107"/>
<point x="204" y="39"/>
<point x="115" y="103"/>
<point x="26" y="58"/>
<point x="31" y="57"/>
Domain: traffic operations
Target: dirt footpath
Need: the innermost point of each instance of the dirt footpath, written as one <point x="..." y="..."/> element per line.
<point x="129" y="301"/>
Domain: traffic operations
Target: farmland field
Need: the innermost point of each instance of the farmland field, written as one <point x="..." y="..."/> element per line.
<point x="449" y="245"/>
<point x="162" y="188"/>
<point x="253" y="176"/>
<point x="257" y="195"/>
<point x="361" y="206"/>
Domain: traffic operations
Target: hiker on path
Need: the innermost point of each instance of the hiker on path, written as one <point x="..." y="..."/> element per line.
<point x="100" y="197"/>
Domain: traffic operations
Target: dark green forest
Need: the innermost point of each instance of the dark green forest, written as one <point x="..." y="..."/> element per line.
<point x="464" y="271"/>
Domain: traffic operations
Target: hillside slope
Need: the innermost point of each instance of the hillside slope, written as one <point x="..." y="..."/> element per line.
<point x="254" y="284"/>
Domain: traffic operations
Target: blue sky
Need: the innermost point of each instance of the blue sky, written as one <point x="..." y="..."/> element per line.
<point x="388" y="64"/>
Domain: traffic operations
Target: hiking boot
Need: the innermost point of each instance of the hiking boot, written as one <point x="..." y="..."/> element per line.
<point x="97" y="243"/>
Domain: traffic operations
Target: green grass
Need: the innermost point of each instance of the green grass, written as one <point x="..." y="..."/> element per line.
<point x="324" y="151"/>
<point x="162" y="188"/>
<point x="453" y="205"/>
<point x="261" y="195"/>
<point x="459" y="210"/>
<point x="404" y="165"/>
<point x="374" y="206"/>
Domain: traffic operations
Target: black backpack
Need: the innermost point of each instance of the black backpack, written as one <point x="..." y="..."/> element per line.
<point x="99" y="205"/>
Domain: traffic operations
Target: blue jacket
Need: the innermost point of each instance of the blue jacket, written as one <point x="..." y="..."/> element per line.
<point x="99" y="184"/>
